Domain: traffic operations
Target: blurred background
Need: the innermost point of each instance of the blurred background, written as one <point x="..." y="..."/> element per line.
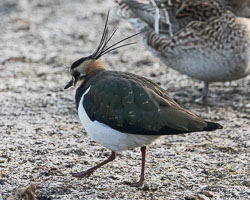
<point x="42" y="141"/>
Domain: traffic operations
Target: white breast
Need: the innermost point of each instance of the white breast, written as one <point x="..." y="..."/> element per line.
<point x="111" y="138"/>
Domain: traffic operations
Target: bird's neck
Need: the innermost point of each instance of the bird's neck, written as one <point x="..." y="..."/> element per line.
<point x="90" y="68"/>
<point x="90" y="79"/>
<point x="93" y="66"/>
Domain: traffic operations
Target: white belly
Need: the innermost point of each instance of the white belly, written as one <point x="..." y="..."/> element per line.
<point x="111" y="138"/>
<point x="213" y="68"/>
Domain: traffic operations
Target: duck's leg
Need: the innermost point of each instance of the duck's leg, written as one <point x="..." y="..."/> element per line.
<point x="204" y="97"/>
<point x="157" y="17"/>
<point x="142" y="178"/>
<point x="92" y="169"/>
<point x="205" y="92"/>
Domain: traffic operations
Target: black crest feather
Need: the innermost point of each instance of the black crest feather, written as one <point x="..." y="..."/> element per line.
<point x="102" y="48"/>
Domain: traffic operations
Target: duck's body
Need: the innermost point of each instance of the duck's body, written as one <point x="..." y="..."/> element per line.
<point x="209" y="42"/>
<point x="204" y="52"/>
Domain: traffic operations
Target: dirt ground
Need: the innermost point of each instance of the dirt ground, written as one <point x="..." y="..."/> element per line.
<point x="42" y="140"/>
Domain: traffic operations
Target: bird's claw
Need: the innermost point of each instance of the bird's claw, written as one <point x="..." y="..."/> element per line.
<point x="137" y="184"/>
<point x="86" y="173"/>
<point x="134" y="184"/>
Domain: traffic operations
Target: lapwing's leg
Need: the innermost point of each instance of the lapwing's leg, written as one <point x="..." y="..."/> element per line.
<point x="142" y="178"/>
<point x="92" y="169"/>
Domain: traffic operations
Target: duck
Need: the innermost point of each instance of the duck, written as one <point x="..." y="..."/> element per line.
<point x="207" y="40"/>
<point x="123" y="111"/>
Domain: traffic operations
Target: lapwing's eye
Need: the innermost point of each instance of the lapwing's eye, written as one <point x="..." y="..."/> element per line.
<point x="76" y="74"/>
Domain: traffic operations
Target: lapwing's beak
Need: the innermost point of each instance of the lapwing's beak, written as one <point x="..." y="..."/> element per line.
<point x="70" y="84"/>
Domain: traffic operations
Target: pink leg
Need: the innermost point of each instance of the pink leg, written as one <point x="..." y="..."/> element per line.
<point x="92" y="169"/>
<point x="141" y="181"/>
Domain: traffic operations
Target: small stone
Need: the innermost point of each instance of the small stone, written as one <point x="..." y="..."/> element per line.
<point x="23" y="193"/>
<point x="146" y="187"/>
<point x="208" y="193"/>
<point x="191" y="197"/>
<point x="29" y="193"/>
<point x="248" y="105"/>
<point x="202" y="197"/>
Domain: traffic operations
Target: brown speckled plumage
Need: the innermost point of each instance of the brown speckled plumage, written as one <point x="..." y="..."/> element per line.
<point x="209" y="42"/>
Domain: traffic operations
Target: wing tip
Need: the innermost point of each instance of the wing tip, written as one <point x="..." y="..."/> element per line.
<point x="211" y="126"/>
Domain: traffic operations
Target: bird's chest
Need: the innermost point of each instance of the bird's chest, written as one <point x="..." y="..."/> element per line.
<point x="109" y="137"/>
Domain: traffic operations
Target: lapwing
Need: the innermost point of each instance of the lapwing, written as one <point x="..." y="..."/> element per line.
<point x="122" y="111"/>
<point x="202" y="39"/>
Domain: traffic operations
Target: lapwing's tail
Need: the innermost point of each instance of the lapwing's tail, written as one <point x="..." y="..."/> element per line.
<point x="211" y="126"/>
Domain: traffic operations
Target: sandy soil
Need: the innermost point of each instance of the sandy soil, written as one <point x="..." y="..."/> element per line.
<point x="42" y="141"/>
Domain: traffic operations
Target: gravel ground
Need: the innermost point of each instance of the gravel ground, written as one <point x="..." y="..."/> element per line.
<point x="42" y="141"/>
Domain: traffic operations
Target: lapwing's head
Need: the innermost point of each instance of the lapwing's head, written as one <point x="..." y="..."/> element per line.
<point x="82" y="68"/>
<point x="86" y="66"/>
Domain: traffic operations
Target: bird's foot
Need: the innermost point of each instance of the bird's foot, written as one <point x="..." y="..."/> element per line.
<point x="92" y="169"/>
<point x="202" y="100"/>
<point x="208" y="102"/>
<point x="137" y="184"/>
<point x="86" y="173"/>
